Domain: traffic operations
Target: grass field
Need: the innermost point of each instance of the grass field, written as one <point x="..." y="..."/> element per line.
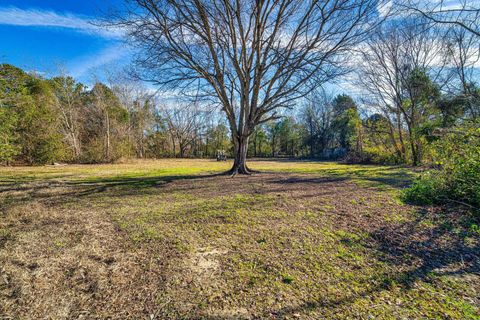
<point x="173" y="239"/>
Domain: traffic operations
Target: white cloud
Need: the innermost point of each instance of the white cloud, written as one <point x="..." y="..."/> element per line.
<point x="80" y="67"/>
<point x="442" y="5"/>
<point x="43" y="18"/>
<point x="385" y="8"/>
<point x="88" y="65"/>
<point x="447" y="4"/>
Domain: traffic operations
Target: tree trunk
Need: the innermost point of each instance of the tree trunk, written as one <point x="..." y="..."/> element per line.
<point x="174" y="147"/>
<point x="416" y="155"/>
<point x="76" y="146"/>
<point x="273" y="147"/>
<point x="107" y="137"/>
<point x="240" y="156"/>
<point x="182" y="148"/>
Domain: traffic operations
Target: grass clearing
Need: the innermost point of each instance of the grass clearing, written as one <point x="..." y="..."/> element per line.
<point x="170" y="239"/>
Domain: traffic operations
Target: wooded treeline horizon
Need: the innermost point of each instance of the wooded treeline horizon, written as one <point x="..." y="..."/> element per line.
<point x="61" y="120"/>
<point x="416" y="80"/>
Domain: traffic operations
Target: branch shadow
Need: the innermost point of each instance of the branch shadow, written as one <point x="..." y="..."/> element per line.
<point x="57" y="191"/>
<point x="387" y="176"/>
<point x="428" y="246"/>
<point x="306" y="180"/>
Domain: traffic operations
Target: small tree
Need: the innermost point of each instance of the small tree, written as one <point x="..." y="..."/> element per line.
<point x="346" y="123"/>
<point x="419" y="105"/>
<point x="399" y="66"/>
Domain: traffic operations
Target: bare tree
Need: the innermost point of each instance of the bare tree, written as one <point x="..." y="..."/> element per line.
<point x="464" y="52"/>
<point x="317" y="118"/>
<point x="184" y="123"/>
<point x="251" y="57"/>
<point x="139" y="103"/>
<point x="105" y="130"/>
<point x="389" y="59"/>
<point x="461" y="13"/>
<point x="68" y="95"/>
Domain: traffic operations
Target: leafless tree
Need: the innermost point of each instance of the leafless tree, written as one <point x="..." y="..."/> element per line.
<point x="464" y="52"/>
<point x="68" y="95"/>
<point x="388" y="60"/>
<point x="317" y="117"/>
<point x="251" y="57"/>
<point x="102" y="105"/>
<point x="184" y="124"/>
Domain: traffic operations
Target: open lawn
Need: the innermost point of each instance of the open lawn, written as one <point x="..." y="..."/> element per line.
<point x="172" y="239"/>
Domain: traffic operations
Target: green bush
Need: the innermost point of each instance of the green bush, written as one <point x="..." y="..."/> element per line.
<point x="457" y="176"/>
<point x="425" y="190"/>
<point x="379" y="155"/>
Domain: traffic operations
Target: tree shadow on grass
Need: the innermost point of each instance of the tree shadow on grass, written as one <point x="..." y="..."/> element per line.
<point x="290" y="160"/>
<point x="395" y="177"/>
<point x="413" y="249"/>
<point x="438" y="242"/>
<point x="58" y="191"/>
<point x="396" y="180"/>
<point x="383" y="177"/>
<point x="306" y="180"/>
<point x="138" y="184"/>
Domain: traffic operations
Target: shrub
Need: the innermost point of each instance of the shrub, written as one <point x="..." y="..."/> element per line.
<point x="457" y="176"/>
<point x="379" y="155"/>
<point x="425" y="190"/>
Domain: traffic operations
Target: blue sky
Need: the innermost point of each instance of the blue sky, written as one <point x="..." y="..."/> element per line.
<point x="50" y="36"/>
<point x="53" y="36"/>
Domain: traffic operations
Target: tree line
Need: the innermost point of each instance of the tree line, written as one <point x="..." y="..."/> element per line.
<point x="61" y="120"/>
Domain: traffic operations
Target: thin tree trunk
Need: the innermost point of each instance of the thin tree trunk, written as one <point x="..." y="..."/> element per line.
<point x="310" y="124"/>
<point x="415" y="160"/>
<point x="174" y="148"/>
<point x="107" y="137"/>
<point x="273" y="147"/>
<point x="76" y="146"/>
